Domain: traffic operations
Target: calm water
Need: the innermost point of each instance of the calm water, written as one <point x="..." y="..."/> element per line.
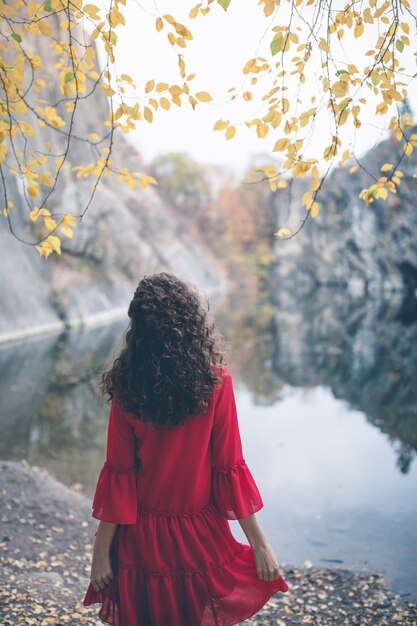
<point x="327" y="401"/>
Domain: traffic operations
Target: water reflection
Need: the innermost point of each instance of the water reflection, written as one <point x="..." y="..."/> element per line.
<point x="51" y="410"/>
<point x="52" y="414"/>
<point x="362" y="348"/>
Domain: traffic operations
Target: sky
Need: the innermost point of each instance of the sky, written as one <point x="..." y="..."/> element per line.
<point x="223" y="42"/>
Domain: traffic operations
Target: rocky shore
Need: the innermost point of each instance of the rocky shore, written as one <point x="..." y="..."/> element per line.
<point x="46" y="540"/>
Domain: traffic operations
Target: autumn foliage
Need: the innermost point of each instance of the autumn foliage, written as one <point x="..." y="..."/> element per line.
<point x="310" y="92"/>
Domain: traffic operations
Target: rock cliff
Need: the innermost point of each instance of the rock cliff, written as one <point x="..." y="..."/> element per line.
<point x="124" y="234"/>
<point x="364" y="247"/>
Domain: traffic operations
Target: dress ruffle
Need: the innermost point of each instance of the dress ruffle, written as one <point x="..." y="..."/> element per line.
<point x="235" y="492"/>
<point x="115" y="498"/>
<point x="216" y="584"/>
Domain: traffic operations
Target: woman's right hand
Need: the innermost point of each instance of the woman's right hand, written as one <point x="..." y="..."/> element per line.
<point x="266" y="562"/>
<point x="101" y="570"/>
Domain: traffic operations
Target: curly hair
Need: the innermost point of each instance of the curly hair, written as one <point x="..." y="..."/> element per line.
<point x="165" y="371"/>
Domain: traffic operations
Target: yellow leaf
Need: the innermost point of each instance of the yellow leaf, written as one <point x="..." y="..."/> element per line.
<point x="107" y="90"/>
<point x="220" y="125"/>
<point x="315" y="209"/>
<point x="194" y="12"/>
<point x="69" y="220"/>
<point x="91" y="11"/>
<point x="262" y="130"/>
<point x="67" y="231"/>
<point x="358" y="30"/>
<point x="281" y="144"/>
<point x="203" y="96"/>
<point x="175" y="90"/>
<point x="283" y="231"/>
<point x="230" y="132"/>
<point x="158" y="24"/>
<point x="49" y="222"/>
<point x="34" y="214"/>
<point x="116" y="18"/>
<point x="379" y="12"/>
<point x="148" y="115"/>
<point x="276" y="120"/>
<point x="145" y="180"/>
<point x="45" y="28"/>
<point x="323" y="45"/>
<point x="307" y="199"/>
<point x="8" y="11"/>
<point x="270" y="170"/>
<point x="340" y="88"/>
<point x="149" y="86"/>
<point x="353" y="169"/>
<point x="54" y="242"/>
<point x="3" y="151"/>
<point x="386" y="167"/>
<point x="408" y="148"/>
<point x="44" y="249"/>
<point x="165" y="103"/>
<point x="33" y="190"/>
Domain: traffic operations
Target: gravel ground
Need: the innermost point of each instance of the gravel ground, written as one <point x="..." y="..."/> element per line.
<point x="46" y="541"/>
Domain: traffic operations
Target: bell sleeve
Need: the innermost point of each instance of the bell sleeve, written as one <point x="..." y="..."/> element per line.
<point x="115" y="497"/>
<point x="235" y="492"/>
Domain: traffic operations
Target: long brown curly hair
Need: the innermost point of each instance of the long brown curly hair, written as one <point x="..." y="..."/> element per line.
<point x="164" y="372"/>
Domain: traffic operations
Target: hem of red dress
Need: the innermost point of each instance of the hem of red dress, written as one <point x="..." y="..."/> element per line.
<point x="242" y="618"/>
<point x="98" y="614"/>
<point x="261" y="604"/>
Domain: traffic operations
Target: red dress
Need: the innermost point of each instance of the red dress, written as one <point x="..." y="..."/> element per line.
<point x="172" y="491"/>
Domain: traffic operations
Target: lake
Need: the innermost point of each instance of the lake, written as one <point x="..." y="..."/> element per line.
<point x="326" y="392"/>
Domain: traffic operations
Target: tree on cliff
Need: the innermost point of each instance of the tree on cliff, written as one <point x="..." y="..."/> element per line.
<point x="306" y="85"/>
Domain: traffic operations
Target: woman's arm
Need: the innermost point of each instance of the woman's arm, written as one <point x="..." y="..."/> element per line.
<point x="265" y="560"/>
<point x="234" y="489"/>
<point x="101" y="570"/>
<point x="115" y="497"/>
<point x="105" y="533"/>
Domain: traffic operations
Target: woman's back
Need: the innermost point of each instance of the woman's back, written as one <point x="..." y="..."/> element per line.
<point x="182" y="468"/>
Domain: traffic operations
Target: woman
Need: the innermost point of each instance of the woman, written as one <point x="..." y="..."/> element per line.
<point x="174" y="474"/>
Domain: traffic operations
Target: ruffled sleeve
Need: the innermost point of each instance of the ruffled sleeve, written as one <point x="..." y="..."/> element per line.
<point x="115" y="497"/>
<point x="235" y="492"/>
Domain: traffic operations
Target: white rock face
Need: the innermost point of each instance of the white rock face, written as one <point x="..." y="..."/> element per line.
<point x="124" y="234"/>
